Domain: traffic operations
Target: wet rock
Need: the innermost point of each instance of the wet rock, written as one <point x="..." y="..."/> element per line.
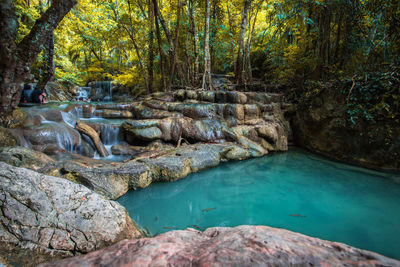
<point x="56" y="92"/>
<point x="113" y="114"/>
<point x="123" y="150"/>
<point x="109" y="179"/>
<point x="166" y="169"/>
<point x="146" y="130"/>
<point x="239" y="246"/>
<point x="24" y="157"/>
<point x="200" y="156"/>
<point x="53" y="218"/>
<point x="52" y="133"/>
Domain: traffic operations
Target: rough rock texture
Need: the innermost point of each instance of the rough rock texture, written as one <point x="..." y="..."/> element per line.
<point x="322" y="125"/>
<point x="109" y="179"/>
<point x="6" y="138"/>
<point x="114" y="179"/>
<point x="51" y="217"/>
<point x="254" y="120"/>
<point x="24" y="157"/>
<point x="239" y="246"/>
<point x="56" y="92"/>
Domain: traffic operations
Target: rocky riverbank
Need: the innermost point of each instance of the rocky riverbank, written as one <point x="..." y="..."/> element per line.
<point x="323" y="125"/>
<point x="239" y="246"/>
<point x="65" y="197"/>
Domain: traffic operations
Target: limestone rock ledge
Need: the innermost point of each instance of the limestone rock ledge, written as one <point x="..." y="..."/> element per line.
<point x="239" y="246"/>
<point x="44" y="217"/>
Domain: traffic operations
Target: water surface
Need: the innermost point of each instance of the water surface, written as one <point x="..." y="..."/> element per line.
<point x="294" y="190"/>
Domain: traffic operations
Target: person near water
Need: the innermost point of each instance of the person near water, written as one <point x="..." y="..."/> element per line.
<point x="38" y="96"/>
<point x="26" y="95"/>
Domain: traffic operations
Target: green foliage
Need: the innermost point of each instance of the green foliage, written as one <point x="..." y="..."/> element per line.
<point x="295" y="42"/>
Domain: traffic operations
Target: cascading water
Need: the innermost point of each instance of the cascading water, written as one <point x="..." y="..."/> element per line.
<point x="83" y="93"/>
<point x="109" y="134"/>
<point x="66" y="137"/>
<point x="103" y="91"/>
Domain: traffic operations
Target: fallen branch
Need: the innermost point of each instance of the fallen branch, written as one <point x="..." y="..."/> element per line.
<point x="83" y="128"/>
<point x="351" y="89"/>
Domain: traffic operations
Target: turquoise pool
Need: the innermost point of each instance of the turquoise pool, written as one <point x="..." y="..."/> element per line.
<point x="295" y="190"/>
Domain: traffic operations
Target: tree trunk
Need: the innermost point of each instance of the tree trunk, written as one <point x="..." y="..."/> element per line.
<point x="175" y="51"/>
<point x="162" y="55"/>
<point x="249" y="73"/>
<point x="17" y="60"/>
<point x="150" y="68"/>
<point x="195" y="43"/>
<point x="48" y="62"/>
<point x="207" y="57"/>
<point x="240" y="58"/>
<point x="231" y="31"/>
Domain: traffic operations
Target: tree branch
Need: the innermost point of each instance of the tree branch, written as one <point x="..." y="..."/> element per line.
<point x="32" y="44"/>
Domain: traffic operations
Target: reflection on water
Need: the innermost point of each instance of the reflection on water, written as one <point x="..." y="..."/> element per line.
<point x="295" y="190"/>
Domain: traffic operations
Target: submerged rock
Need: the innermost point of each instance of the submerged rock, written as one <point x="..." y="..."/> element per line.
<point x="239" y="246"/>
<point x="49" y="218"/>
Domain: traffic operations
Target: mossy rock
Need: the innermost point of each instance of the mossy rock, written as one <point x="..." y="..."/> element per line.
<point x="6" y="138"/>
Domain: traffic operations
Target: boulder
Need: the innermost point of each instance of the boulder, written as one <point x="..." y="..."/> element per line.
<point x="239" y="246"/>
<point x="24" y="157"/>
<point x="45" y="217"/>
<point x="109" y="179"/>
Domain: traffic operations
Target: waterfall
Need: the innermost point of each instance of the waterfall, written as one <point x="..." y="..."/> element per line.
<point x="83" y="93"/>
<point x="109" y="134"/>
<point x="104" y="89"/>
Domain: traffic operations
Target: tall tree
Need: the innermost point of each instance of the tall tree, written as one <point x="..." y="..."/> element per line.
<point x="176" y="44"/>
<point x="159" y="40"/>
<point x="16" y="59"/>
<point x="207" y="81"/>
<point x="195" y="77"/>
<point x="150" y="71"/>
<point x="240" y="66"/>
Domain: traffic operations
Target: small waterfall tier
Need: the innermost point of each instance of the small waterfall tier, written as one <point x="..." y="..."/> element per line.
<point x="83" y="93"/>
<point x="101" y="91"/>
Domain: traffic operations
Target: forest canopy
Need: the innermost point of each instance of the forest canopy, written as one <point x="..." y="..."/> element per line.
<point x="151" y="44"/>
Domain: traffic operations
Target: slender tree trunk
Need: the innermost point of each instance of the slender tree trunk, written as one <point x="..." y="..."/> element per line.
<point x="150" y="72"/>
<point x="195" y="43"/>
<point x="248" y="46"/>
<point x="162" y="55"/>
<point x="231" y="31"/>
<point x="48" y="64"/>
<point x="240" y="56"/>
<point x="137" y="50"/>
<point x="15" y="61"/>
<point x="175" y="51"/>
<point x="207" y="57"/>
<point x="163" y="24"/>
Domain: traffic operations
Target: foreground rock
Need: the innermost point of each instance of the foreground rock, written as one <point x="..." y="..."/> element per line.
<point x="44" y="217"/>
<point x="240" y="246"/>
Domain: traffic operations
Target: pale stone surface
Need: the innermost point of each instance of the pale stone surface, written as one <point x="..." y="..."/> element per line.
<point x="239" y="246"/>
<point x="56" y="217"/>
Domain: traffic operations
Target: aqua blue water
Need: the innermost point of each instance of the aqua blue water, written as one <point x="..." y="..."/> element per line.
<point x="294" y="190"/>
